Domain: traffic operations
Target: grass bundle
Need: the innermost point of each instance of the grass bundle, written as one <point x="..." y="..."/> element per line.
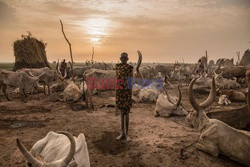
<point x="29" y="53"/>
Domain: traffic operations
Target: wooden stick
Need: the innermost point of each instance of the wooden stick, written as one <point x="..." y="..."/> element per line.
<point x="93" y="52"/>
<point x="70" y="50"/>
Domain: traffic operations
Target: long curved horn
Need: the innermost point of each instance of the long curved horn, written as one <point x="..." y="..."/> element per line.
<point x="59" y="76"/>
<point x="211" y="96"/>
<point x="71" y="153"/>
<point x="168" y="97"/>
<point x="192" y="100"/>
<point x="139" y="62"/>
<point x="65" y="73"/>
<point x="30" y="158"/>
<point x="220" y="62"/>
<point x="179" y="98"/>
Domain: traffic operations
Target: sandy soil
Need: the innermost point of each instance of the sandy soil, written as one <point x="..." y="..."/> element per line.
<point x="155" y="141"/>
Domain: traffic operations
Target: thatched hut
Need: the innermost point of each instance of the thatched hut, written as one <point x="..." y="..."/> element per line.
<point x="29" y="53"/>
<point x="245" y="60"/>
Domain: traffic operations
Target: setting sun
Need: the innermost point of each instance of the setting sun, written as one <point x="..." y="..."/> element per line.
<point x="96" y="29"/>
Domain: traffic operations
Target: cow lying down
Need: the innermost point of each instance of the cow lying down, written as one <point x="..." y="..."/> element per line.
<point x="216" y="136"/>
<point x="57" y="150"/>
<point x="71" y="93"/>
<point x="227" y="97"/>
<point x="167" y="105"/>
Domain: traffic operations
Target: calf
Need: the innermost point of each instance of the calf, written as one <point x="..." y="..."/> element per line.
<point x="228" y="96"/>
<point x="223" y="99"/>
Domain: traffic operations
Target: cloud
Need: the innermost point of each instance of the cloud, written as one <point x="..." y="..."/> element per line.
<point x="159" y="27"/>
<point x="214" y="3"/>
<point x="7" y="14"/>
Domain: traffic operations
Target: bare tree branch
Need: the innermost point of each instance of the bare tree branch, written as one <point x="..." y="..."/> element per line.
<point x="72" y="62"/>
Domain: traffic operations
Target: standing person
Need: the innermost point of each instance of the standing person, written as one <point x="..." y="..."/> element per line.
<point x="63" y="67"/>
<point x="124" y="94"/>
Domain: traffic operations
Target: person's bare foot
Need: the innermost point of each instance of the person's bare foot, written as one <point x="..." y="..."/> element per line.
<point x="128" y="138"/>
<point x="120" y="137"/>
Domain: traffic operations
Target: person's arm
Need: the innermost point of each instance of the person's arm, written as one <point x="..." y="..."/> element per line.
<point x="116" y="71"/>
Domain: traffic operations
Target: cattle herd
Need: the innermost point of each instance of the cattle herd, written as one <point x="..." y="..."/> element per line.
<point x="220" y="131"/>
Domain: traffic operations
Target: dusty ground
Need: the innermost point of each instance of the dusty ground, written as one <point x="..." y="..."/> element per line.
<point x="155" y="141"/>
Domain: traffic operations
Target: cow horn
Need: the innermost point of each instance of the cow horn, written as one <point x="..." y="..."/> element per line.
<point x="211" y="96"/>
<point x="207" y="102"/>
<point x="65" y="73"/>
<point x="58" y="74"/>
<point x="139" y="63"/>
<point x="220" y="62"/>
<point x="165" y="77"/>
<point x="168" y="97"/>
<point x="192" y="100"/>
<point x="180" y="97"/>
<point x="39" y="76"/>
<point x="30" y="158"/>
<point x="72" y="151"/>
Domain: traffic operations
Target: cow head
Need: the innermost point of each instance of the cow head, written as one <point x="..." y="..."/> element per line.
<point x="58" y="163"/>
<point x="195" y="117"/>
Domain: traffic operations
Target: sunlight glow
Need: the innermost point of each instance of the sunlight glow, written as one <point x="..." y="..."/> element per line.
<point x="96" y="28"/>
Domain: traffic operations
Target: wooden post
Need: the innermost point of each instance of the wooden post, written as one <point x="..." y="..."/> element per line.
<point x="93" y="52"/>
<point x="238" y="58"/>
<point x="70" y="50"/>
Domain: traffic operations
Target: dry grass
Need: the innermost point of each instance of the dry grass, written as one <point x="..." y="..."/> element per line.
<point x="29" y="53"/>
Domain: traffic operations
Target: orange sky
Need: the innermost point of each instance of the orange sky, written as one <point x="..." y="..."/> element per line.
<point x="163" y="30"/>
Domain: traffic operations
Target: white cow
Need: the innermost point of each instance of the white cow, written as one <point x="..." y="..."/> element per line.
<point x="167" y="105"/>
<point x="58" y="150"/>
<point x="72" y="92"/>
<point x="18" y="79"/>
<point x="216" y="136"/>
<point x="223" y="99"/>
<point x="151" y="92"/>
<point x="48" y="77"/>
<point x="228" y="96"/>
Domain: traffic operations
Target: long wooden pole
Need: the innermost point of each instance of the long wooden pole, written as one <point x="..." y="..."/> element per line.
<point x="93" y="52"/>
<point x="70" y="50"/>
